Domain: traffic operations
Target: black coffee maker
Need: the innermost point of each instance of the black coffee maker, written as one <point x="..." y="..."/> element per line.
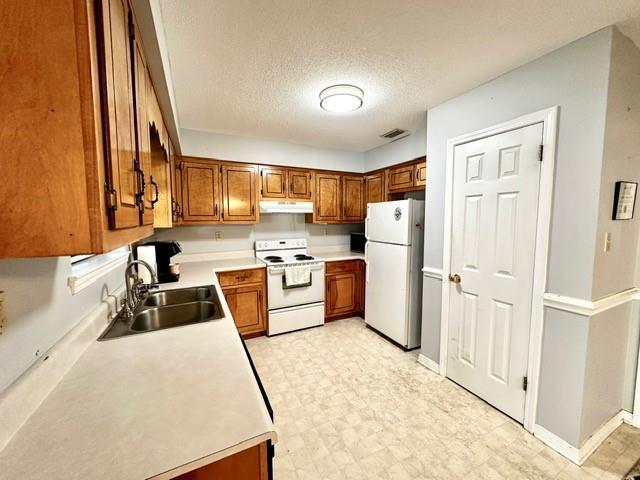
<point x="164" y="251"/>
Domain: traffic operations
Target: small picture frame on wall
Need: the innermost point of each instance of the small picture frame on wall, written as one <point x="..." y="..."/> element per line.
<point x="624" y="200"/>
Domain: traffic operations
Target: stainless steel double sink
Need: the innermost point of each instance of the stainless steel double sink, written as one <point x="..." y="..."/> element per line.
<point x="167" y="309"/>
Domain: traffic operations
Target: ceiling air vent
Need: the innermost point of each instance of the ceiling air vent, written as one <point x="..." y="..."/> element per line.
<point x="395" y="134"/>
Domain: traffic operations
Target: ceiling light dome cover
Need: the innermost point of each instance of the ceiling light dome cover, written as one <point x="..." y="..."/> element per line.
<point x="341" y="98"/>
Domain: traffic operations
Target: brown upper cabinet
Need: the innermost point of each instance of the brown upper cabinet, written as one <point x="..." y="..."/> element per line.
<point x="400" y="178"/>
<point x="299" y="184"/>
<point x="200" y="190"/>
<point x="327" y="200"/>
<point x="176" y="186"/>
<point x="282" y="183"/>
<point x="405" y="177"/>
<point x="84" y="140"/>
<point x="421" y="174"/>
<point x="353" y="206"/>
<point x="274" y="182"/>
<point x="119" y="114"/>
<point x="216" y="192"/>
<point x="374" y="188"/>
<point x="338" y="199"/>
<point x="239" y="193"/>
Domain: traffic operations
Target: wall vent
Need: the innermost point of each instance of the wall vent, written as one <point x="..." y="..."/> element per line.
<point x="395" y="133"/>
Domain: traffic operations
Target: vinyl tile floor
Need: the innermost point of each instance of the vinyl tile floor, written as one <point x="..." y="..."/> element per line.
<point x="348" y="404"/>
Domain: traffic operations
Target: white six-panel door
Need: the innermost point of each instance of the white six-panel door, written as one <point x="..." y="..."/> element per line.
<point x="494" y="213"/>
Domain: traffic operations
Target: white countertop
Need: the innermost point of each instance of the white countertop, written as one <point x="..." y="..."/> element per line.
<point x="335" y="254"/>
<point x="138" y="407"/>
<point x="193" y="273"/>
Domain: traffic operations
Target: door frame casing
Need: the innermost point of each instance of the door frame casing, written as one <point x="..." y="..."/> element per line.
<point x="549" y="118"/>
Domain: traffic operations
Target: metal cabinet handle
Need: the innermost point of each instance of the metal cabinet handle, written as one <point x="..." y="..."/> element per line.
<point x="157" y="191"/>
<point x="215" y="210"/>
<point x="455" y="278"/>
<point x="140" y="173"/>
<point x="253" y="209"/>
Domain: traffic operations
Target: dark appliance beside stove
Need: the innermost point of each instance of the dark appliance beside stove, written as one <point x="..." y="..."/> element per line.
<point x="167" y="272"/>
<point x="358" y="241"/>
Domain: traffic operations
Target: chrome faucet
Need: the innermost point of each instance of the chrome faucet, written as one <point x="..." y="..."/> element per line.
<point x="135" y="288"/>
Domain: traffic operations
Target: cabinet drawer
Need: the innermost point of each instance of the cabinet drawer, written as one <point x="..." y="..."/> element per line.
<point x="341" y="266"/>
<point x="241" y="277"/>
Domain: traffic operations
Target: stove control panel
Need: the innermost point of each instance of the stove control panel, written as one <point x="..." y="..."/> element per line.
<point x="262" y="245"/>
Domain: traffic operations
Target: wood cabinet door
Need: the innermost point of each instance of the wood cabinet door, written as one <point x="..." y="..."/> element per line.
<point x="420" y="178"/>
<point x="119" y="125"/>
<point x="353" y="199"/>
<point x="176" y="186"/>
<point x="239" y="191"/>
<point x="299" y="184"/>
<point x="400" y="178"/>
<point x="327" y="198"/>
<point x="247" y="307"/>
<point x="374" y="188"/>
<point x="249" y="464"/>
<point x="200" y="195"/>
<point x="274" y="182"/>
<point x="341" y="295"/>
<point x="146" y="187"/>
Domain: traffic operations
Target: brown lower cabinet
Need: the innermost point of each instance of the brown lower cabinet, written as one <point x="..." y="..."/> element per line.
<point x="249" y="464"/>
<point x="344" y="284"/>
<point x="245" y="292"/>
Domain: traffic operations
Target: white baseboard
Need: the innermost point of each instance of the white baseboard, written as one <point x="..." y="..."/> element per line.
<point x="580" y="455"/>
<point x="428" y="363"/>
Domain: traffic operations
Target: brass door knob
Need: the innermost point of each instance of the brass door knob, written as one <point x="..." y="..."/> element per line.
<point x="455" y="278"/>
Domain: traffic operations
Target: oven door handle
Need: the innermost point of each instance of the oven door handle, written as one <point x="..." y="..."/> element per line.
<point x="300" y="285"/>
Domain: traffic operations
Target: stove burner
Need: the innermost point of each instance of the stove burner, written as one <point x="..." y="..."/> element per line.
<point x="273" y="257"/>
<point x="302" y="256"/>
<point x="276" y="260"/>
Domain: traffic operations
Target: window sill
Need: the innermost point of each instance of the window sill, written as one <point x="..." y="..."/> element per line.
<point x="91" y="270"/>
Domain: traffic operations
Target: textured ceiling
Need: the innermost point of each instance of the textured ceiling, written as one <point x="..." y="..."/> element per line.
<point x="255" y="67"/>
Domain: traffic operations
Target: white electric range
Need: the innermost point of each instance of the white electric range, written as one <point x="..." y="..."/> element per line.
<point x="291" y="307"/>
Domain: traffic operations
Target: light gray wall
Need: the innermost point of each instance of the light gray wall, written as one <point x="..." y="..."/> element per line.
<point x="431" y="309"/>
<point x="195" y="239"/>
<point x="562" y="374"/>
<point x="631" y="363"/>
<point x="605" y="368"/>
<point x="242" y="149"/>
<point x="407" y="148"/>
<point x="614" y="271"/>
<point x="41" y="310"/>
<point x="574" y="77"/>
<point x="588" y="364"/>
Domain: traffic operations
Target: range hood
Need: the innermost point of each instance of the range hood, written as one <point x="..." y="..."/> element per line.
<point x="285" y="206"/>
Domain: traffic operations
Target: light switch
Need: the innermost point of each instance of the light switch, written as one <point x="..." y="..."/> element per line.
<point x="607" y="241"/>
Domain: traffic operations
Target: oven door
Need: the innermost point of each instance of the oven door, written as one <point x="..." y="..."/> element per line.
<point x="280" y="297"/>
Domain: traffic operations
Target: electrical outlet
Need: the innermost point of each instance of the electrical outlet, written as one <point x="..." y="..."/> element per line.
<point x="324" y="232"/>
<point x="218" y="235"/>
<point x="607" y="241"/>
<point x="3" y="315"/>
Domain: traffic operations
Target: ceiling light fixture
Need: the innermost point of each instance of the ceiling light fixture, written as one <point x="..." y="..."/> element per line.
<point x="341" y="98"/>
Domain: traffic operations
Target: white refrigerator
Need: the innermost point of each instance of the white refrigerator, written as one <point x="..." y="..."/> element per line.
<point x="393" y="254"/>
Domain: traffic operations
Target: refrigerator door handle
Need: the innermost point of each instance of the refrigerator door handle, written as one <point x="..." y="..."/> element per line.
<point x="366" y="261"/>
